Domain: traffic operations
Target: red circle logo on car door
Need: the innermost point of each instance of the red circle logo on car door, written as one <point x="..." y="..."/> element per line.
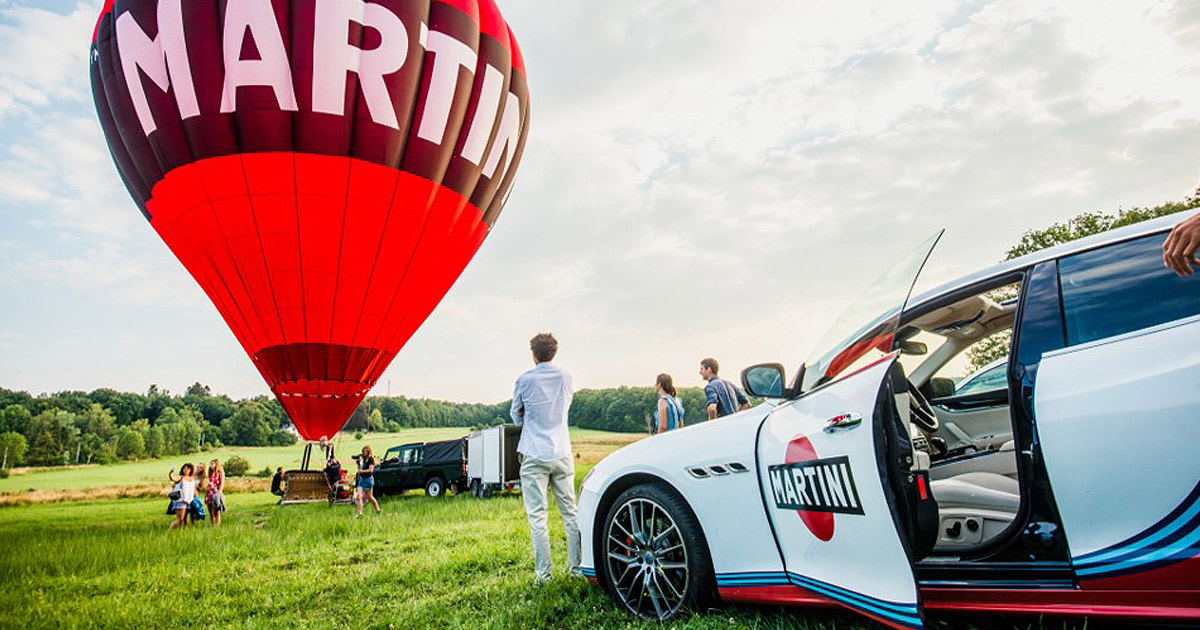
<point x="819" y="523"/>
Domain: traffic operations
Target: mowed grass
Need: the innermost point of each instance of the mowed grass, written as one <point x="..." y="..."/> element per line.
<point x="155" y="471"/>
<point x="454" y="562"/>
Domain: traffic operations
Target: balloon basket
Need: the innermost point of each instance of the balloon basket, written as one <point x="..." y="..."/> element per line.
<point x="310" y="484"/>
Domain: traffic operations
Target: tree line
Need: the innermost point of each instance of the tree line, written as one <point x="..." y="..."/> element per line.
<point x="104" y="426"/>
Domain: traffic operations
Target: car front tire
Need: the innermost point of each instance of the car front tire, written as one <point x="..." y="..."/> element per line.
<point x="656" y="562"/>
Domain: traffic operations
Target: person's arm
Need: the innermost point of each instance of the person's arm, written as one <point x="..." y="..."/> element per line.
<point x="517" y="412"/>
<point x="1179" y="250"/>
<point x="743" y="402"/>
<point x="662" y="415"/>
<point x="710" y="397"/>
<point x="171" y="477"/>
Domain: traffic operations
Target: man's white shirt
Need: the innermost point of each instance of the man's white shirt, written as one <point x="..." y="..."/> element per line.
<point x="544" y="392"/>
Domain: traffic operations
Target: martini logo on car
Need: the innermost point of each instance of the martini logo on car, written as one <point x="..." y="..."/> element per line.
<point x="821" y="485"/>
<point x="817" y="488"/>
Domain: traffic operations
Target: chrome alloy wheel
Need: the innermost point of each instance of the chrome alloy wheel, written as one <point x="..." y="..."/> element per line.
<point x="646" y="559"/>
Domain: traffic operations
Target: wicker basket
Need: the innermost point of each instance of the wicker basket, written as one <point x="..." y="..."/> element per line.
<point x="302" y="486"/>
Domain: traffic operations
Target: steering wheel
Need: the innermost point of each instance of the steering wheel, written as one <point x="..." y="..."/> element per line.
<point x="922" y="411"/>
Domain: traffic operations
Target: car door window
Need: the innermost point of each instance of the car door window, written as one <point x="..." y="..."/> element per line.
<point x="1122" y="288"/>
<point x="992" y="379"/>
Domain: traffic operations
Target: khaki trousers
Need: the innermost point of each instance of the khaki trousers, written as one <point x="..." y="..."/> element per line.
<point x="559" y="476"/>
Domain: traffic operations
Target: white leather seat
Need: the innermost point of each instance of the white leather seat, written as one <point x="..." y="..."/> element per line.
<point x="973" y="508"/>
<point x="985" y="490"/>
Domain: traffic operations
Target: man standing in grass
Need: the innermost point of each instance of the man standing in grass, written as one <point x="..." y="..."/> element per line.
<point x="541" y="400"/>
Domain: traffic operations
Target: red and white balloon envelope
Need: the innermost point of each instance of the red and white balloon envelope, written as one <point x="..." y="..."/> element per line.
<point x="324" y="169"/>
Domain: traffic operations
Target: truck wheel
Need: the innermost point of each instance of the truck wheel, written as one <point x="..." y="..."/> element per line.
<point x="435" y="487"/>
<point x="656" y="561"/>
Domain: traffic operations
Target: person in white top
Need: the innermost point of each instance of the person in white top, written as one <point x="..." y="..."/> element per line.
<point x="541" y="400"/>
<point x="186" y="486"/>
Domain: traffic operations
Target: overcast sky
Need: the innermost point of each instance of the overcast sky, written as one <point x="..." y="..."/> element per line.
<point x="708" y="177"/>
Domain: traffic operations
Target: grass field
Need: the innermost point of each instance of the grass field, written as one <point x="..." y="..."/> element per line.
<point x="154" y="471"/>
<point x="454" y="562"/>
<point x="424" y="563"/>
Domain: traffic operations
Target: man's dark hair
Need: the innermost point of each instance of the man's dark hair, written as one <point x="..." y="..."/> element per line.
<point x="711" y="364"/>
<point x="544" y="347"/>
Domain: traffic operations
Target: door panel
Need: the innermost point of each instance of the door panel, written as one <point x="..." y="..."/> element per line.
<point x="1119" y="421"/>
<point x="826" y="500"/>
<point x="982" y="429"/>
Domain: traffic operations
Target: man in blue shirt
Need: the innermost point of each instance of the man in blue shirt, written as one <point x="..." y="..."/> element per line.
<point x="722" y="397"/>
<point x="541" y="400"/>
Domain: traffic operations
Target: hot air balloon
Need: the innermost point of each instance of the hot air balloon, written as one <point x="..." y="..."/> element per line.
<point x="324" y="169"/>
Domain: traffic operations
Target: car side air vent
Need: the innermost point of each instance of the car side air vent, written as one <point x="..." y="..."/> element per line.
<point x="718" y="470"/>
<point x="737" y="467"/>
<point x="698" y="473"/>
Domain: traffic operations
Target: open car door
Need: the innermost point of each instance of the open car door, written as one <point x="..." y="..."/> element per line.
<point x="830" y="464"/>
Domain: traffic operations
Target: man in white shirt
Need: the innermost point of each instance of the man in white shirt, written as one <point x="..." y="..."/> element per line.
<point x="541" y="400"/>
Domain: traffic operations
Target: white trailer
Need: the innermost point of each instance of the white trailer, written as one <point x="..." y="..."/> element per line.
<point x="492" y="463"/>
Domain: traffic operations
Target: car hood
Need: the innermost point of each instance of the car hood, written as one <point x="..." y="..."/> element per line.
<point x="668" y="454"/>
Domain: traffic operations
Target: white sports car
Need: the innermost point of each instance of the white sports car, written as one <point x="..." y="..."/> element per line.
<point x="867" y="482"/>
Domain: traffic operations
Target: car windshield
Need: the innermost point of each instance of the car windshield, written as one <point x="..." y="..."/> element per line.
<point x="866" y="329"/>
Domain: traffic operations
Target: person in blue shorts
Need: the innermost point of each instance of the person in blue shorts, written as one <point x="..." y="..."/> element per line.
<point x="366" y="480"/>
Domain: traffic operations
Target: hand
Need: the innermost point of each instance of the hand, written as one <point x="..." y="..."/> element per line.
<point x="1179" y="250"/>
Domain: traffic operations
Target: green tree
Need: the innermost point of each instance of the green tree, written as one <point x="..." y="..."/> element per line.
<point x="130" y="443"/>
<point x="236" y="466"/>
<point x="12" y="449"/>
<point x="96" y="420"/>
<point x="248" y="426"/>
<point x="198" y="390"/>
<point x="1089" y="223"/>
<point x="156" y="442"/>
<point x="54" y="438"/>
<point x="15" y="418"/>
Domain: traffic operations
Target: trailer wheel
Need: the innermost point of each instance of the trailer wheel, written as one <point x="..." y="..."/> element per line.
<point x="474" y="486"/>
<point x="435" y="487"/>
<point x="485" y="491"/>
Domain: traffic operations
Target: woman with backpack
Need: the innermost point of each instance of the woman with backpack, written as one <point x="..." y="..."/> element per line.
<point x="182" y="494"/>
<point x="668" y="414"/>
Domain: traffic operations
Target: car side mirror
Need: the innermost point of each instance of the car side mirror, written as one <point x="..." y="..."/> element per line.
<point x="765" y="380"/>
<point x="914" y="348"/>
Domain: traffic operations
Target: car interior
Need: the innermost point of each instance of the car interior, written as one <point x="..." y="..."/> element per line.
<point x="965" y="439"/>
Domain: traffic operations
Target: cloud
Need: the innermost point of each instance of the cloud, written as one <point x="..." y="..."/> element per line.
<point x="43" y="57"/>
<point x="702" y="178"/>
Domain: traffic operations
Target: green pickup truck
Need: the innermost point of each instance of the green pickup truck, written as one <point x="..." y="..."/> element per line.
<point x="435" y="466"/>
